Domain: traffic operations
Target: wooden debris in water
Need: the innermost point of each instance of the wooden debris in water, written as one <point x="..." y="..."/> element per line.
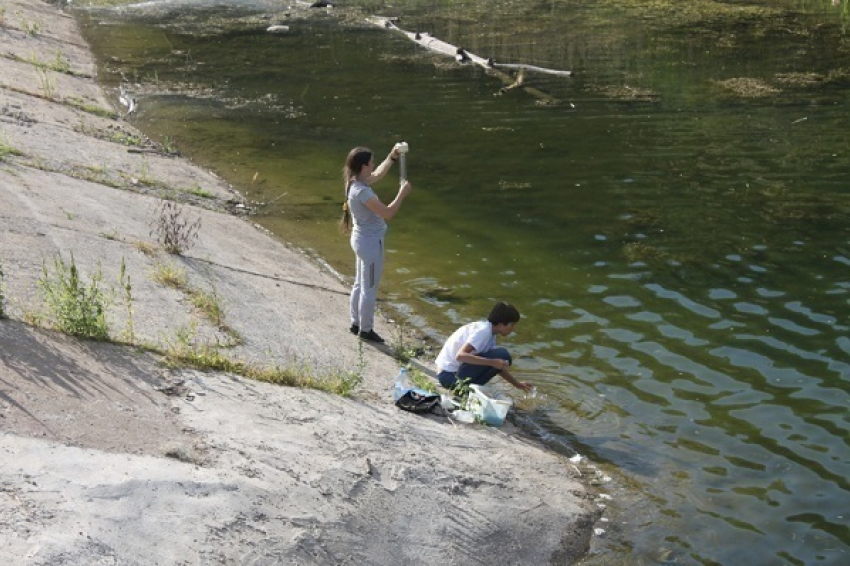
<point x="461" y="55"/>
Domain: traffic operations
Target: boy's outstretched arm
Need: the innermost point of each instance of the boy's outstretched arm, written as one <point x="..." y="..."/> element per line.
<point x="523" y="385"/>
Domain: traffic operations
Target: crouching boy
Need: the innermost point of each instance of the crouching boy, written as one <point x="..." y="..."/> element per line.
<point x="471" y="354"/>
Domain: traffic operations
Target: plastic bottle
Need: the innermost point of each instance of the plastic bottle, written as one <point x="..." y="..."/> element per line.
<point x="400" y="384"/>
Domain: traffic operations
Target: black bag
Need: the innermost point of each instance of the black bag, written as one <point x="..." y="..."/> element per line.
<point x="418" y="401"/>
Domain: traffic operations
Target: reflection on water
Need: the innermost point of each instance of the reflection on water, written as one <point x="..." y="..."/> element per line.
<point x="675" y="227"/>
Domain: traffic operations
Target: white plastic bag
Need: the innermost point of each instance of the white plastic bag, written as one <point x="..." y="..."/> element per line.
<point x="489" y="405"/>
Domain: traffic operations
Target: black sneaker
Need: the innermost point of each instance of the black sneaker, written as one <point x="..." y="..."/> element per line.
<point x="354" y="329"/>
<point x="371" y="336"/>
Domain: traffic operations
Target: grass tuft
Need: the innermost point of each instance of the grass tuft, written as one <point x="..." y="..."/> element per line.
<point x="170" y="275"/>
<point x="210" y="357"/>
<point x="7" y="150"/>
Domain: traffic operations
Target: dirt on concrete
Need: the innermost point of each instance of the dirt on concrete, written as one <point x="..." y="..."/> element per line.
<point x="108" y="456"/>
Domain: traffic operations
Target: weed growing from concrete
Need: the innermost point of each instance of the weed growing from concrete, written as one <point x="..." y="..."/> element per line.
<point x="48" y="83"/>
<point x="169" y="146"/>
<point x="401" y="350"/>
<point x="199" y="191"/>
<point x="125" y="138"/>
<point x="145" y="174"/>
<point x="209" y="305"/>
<point x="421" y="380"/>
<point x="170" y="275"/>
<point x="2" y="295"/>
<point x="146" y="248"/>
<point x="94" y="109"/>
<point x="7" y="150"/>
<point x="76" y="306"/>
<point x="210" y="357"/>
<point x="127" y="294"/>
<point x="175" y="232"/>
<point x="30" y="28"/>
<point x="59" y="64"/>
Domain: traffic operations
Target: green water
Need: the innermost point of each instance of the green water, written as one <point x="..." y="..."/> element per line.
<point x="673" y="222"/>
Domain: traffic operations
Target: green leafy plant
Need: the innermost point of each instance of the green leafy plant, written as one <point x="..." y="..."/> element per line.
<point x="78" y="307"/>
<point x="175" y="232"/>
<point x="461" y="392"/>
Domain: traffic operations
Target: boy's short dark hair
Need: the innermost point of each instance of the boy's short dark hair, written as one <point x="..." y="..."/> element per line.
<point x="503" y="313"/>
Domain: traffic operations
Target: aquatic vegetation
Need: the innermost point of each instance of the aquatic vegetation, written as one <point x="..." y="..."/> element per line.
<point x="647" y="221"/>
<point x="800" y="80"/>
<point x="747" y="87"/>
<point x="626" y="92"/>
<point x="637" y="251"/>
<point x="808" y="209"/>
<point x="672" y="13"/>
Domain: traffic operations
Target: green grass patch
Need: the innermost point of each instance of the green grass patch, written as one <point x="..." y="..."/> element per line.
<point x="210" y="357"/>
<point x="90" y="108"/>
<point x="199" y="192"/>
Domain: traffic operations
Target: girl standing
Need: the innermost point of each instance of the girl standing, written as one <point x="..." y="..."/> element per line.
<point x="368" y="214"/>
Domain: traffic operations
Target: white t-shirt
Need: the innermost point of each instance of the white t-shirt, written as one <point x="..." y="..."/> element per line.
<point x="479" y="334"/>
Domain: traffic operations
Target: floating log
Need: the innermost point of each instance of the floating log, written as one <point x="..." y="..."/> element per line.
<point x="461" y="55"/>
<point x="534" y="68"/>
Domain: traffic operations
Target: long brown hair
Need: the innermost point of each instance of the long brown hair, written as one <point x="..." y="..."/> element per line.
<point x="357" y="158"/>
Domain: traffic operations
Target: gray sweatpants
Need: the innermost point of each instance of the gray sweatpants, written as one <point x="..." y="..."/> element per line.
<point x="364" y="292"/>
